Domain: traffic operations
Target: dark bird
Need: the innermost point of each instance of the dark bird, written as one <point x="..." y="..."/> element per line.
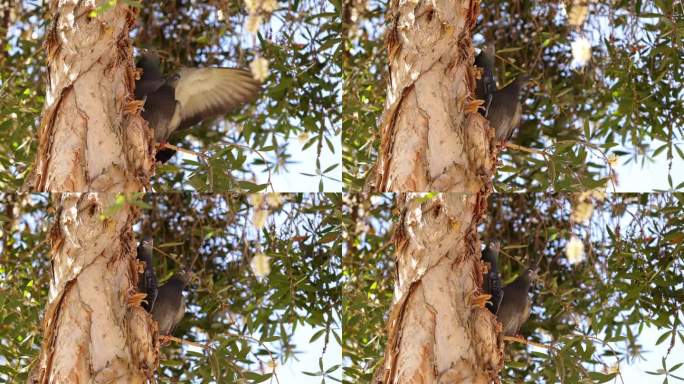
<point x="169" y="308"/>
<point x="505" y="110"/>
<point x="492" y="280"/>
<point x="515" y="305"/>
<point x="147" y="281"/>
<point x="486" y="84"/>
<point x="189" y="96"/>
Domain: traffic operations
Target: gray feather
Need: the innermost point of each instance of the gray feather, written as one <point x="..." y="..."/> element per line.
<point x="486" y="84"/>
<point x="151" y="78"/>
<point x="204" y="93"/>
<point x="492" y="280"/>
<point x="515" y="305"/>
<point x="189" y="96"/>
<point x="505" y="110"/>
<point x="147" y="281"/>
<point x="169" y="308"/>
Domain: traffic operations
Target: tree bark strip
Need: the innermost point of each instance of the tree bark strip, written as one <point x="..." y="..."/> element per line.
<point x="432" y="137"/>
<point x="437" y="331"/>
<point x="91" y="136"/>
<point x="92" y="331"/>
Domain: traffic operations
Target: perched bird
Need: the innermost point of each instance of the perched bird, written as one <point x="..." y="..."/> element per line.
<point x="492" y="280"/>
<point x="486" y="84"/>
<point x="515" y="305"/>
<point x="147" y="281"/>
<point x="169" y="307"/>
<point x="189" y="96"/>
<point x="505" y="110"/>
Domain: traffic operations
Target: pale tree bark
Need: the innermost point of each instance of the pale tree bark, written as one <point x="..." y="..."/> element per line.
<point x="438" y="329"/>
<point x="94" y="329"/>
<point x="92" y="137"/>
<point x="432" y="137"/>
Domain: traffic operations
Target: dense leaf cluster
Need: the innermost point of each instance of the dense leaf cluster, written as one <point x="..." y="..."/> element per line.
<point x="298" y="109"/>
<point x="625" y="106"/>
<point x="248" y="322"/>
<point x="591" y="315"/>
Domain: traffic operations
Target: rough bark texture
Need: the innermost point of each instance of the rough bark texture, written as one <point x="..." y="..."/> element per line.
<point x="94" y="331"/>
<point x="91" y="136"/>
<point x="433" y="138"/>
<point x="438" y="329"/>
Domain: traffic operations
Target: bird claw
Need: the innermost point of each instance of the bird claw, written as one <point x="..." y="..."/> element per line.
<point x="137" y="299"/>
<point x="134" y="106"/>
<point x="473" y="106"/>
<point x="479" y="301"/>
<point x="164" y="340"/>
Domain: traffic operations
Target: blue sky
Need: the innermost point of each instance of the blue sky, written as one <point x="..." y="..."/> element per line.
<point x="651" y="176"/>
<point x="291" y="372"/>
<point x="302" y="162"/>
<point x="635" y="373"/>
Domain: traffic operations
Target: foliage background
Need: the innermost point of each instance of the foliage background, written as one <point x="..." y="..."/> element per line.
<point x="625" y="106"/>
<point x="591" y="313"/>
<point x="247" y="320"/>
<point x="300" y="99"/>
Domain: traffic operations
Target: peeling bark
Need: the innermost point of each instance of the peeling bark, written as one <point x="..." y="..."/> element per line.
<point x="433" y="138"/>
<point x="91" y="136"/>
<point x="438" y="330"/>
<point x="93" y="332"/>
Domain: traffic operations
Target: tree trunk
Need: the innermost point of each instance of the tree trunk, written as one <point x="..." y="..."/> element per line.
<point x="91" y="137"/>
<point x="438" y="329"/>
<point x="93" y="331"/>
<point x="433" y="138"/>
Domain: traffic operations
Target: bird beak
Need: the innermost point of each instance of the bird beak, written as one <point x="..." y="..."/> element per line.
<point x="191" y="278"/>
<point x="534" y="274"/>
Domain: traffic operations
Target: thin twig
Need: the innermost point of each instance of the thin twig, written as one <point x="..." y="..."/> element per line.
<point x="528" y="342"/>
<point x="186" y="151"/>
<point x="183" y="341"/>
<point x="526" y="149"/>
<point x="617" y="359"/>
<point x="258" y="154"/>
<point x="204" y="156"/>
<point x="207" y="346"/>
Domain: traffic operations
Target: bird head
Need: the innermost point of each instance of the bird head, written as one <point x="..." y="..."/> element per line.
<point x="148" y="58"/>
<point x="532" y="273"/>
<point x="175" y="78"/>
<point x="145" y="249"/>
<point x="489" y="49"/>
<point x="523" y="79"/>
<point x="185" y="278"/>
<point x="147" y="241"/>
<point x="487" y="56"/>
<point x="495" y="246"/>
<point x="150" y="64"/>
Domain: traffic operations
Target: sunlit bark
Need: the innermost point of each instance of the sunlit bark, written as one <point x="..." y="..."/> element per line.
<point x="433" y="138"/>
<point x="93" y="330"/>
<point x="438" y="329"/>
<point x="91" y="136"/>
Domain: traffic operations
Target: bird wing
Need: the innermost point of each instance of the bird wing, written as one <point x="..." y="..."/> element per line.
<point x="526" y="313"/>
<point x="179" y="314"/>
<point x="515" y="121"/>
<point x="151" y="78"/>
<point x="165" y="310"/>
<point x="209" y="92"/>
<point x="145" y="86"/>
<point x="159" y="111"/>
<point x="148" y="280"/>
<point x="506" y="314"/>
<point x="497" y="301"/>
